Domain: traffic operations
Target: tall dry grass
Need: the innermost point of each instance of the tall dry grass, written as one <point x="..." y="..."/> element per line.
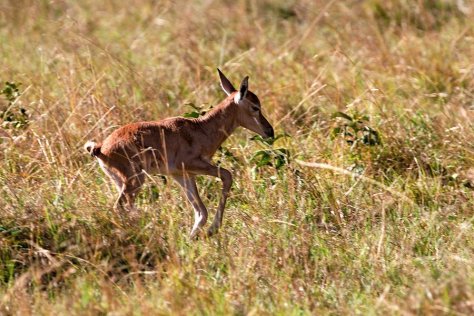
<point x="394" y="236"/>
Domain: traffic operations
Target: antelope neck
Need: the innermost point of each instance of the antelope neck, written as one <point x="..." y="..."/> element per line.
<point x="220" y="122"/>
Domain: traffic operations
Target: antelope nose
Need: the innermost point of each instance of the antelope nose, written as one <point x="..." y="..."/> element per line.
<point x="270" y="133"/>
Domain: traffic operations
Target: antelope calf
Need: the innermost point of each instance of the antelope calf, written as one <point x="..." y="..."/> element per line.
<point x="181" y="148"/>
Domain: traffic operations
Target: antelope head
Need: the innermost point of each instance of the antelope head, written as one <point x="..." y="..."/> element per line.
<point x="249" y="113"/>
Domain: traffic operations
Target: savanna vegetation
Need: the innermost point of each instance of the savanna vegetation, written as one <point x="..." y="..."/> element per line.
<point x="362" y="205"/>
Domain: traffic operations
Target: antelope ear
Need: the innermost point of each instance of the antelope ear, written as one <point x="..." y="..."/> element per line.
<point x="244" y="87"/>
<point x="225" y="83"/>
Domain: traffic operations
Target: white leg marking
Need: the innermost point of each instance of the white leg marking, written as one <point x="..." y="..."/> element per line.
<point x="115" y="178"/>
<point x="200" y="212"/>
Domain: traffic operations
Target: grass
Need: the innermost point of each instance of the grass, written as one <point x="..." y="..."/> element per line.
<point x="381" y="228"/>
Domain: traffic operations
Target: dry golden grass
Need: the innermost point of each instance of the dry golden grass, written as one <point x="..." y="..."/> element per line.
<point x="296" y="240"/>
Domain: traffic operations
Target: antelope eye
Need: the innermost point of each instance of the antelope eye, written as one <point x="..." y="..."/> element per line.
<point x="255" y="108"/>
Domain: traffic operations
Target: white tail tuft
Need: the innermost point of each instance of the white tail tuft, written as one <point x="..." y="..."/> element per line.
<point x="89" y="146"/>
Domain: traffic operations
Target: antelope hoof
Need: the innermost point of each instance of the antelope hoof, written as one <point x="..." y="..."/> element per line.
<point x="194" y="234"/>
<point x="214" y="229"/>
<point x="133" y="214"/>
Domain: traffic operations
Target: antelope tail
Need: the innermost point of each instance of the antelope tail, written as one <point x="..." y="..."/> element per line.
<point x="93" y="148"/>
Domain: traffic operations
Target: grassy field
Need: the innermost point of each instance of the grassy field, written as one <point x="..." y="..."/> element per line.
<point x="378" y="95"/>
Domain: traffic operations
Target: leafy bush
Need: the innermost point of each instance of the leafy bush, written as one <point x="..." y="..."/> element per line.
<point x="13" y="115"/>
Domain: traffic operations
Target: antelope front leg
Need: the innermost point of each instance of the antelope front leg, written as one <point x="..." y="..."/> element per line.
<point x="206" y="168"/>
<point x="200" y="212"/>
